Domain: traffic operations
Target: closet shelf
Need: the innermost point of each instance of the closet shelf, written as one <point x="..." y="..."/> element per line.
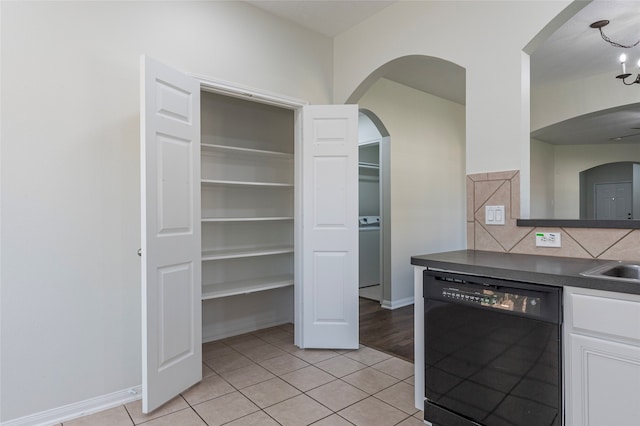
<point x="245" y="219"/>
<point x="238" y="253"/>
<point x="232" y="183"/>
<point x="369" y="166"/>
<point x="232" y="288"/>
<point x="206" y="147"/>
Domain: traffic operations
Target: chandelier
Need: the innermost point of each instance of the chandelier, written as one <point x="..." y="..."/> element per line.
<point x="625" y="74"/>
<point x="623" y="58"/>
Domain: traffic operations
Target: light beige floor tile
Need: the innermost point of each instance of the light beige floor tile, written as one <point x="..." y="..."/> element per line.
<point x="186" y="417"/>
<point x="367" y="355"/>
<point x="340" y="365"/>
<point x="216" y="351"/>
<point x="419" y="415"/>
<point x="372" y="412"/>
<point x="333" y="420"/>
<point x="395" y="367"/>
<point x="337" y="395"/>
<point x="283" y="364"/>
<point x="214" y="345"/>
<point x="259" y="418"/>
<point x="287" y="327"/>
<point x="226" y="408"/>
<point x="286" y="346"/>
<point x="238" y="339"/>
<point x="263" y="352"/>
<point x="370" y="380"/>
<point x="207" y="371"/>
<point x="228" y="362"/>
<point x="209" y="388"/>
<point x="135" y="409"/>
<point x="307" y="378"/>
<point x="275" y="335"/>
<point x="247" y="376"/>
<point x="116" y="416"/>
<point x="315" y="355"/>
<point x="411" y="421"/>
<point x="400" y="396"/>
<point x="411" y="380"/>
<point x="248" y="343"/>
<point x="298" y="411"/>
<point x="270" y="392"/>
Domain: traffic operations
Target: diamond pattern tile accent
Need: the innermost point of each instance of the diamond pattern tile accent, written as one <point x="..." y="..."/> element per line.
<point x="596" y="241"/>
<point x="503" y="188"/>
<point x="625" y="249"/>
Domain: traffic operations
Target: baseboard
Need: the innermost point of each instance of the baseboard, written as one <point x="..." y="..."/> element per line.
<point x="395" y="304"/>
<point x="217" y="334"/>
<point x="78" y="409"/>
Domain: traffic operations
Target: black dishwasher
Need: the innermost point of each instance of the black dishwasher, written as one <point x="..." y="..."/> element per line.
<point x="493" y="351"/>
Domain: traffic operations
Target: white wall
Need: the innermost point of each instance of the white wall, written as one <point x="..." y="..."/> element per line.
<point x="486" y="38"/>
<point x="70" y="275"/>
<point x="427" y="175"/>
<point x="542" y="179"/>
<point x="553" y="103"/>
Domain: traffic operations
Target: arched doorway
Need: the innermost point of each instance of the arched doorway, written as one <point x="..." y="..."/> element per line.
<point x="374" y="208"/>
<point x="426" y="186"/>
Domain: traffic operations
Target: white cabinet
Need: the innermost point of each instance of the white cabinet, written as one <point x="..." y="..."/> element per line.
<point x="602" y="358"/>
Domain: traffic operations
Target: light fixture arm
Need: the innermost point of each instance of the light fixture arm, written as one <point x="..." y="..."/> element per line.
<point x="624" y="77"/>
<point x="600" y="24"/>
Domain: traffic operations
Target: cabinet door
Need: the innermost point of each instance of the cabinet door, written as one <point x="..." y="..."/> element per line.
<point x="327" y="300"/>
<point x="604" y="383"/>
<point x="171" y="271"/>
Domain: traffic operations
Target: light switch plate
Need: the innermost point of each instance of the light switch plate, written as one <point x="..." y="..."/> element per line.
<point x="548" y="239"/>
<point x="494" y="215"/>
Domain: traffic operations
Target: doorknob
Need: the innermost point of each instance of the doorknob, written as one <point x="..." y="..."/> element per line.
<point x="140" y="252"/>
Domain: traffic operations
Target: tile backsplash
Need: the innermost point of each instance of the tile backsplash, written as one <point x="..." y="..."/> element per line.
<point x="503" y="188"/>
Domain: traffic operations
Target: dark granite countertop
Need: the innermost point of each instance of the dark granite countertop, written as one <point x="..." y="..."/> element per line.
<point x="547" y="270"/>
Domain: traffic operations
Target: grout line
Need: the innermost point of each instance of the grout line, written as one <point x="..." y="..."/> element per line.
<point x="488" y="198"/>
<point x="523" y="238"/>
<point x="615" y="243"/>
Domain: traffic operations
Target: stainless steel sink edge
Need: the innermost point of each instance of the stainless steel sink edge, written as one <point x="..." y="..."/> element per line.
<point x="615" y="270"/>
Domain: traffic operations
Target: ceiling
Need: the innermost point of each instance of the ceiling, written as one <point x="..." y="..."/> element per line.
<point x="575" y="50"/>
<point x="326" y="17"/>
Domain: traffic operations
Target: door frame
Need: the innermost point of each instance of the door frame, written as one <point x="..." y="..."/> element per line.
<point x="252" y="94"/>
<point x="385" y="206"/>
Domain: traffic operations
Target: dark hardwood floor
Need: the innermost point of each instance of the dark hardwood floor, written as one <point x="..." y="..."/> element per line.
<point x="388" y="330"/>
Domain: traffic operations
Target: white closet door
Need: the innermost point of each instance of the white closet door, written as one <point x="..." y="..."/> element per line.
<point x="171" y="250"/>
<point x="329" y="288"/>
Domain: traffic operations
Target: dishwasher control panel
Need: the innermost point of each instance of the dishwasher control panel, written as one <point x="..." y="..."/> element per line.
<point x="471" y="297"/>
<point x="489" y="297"/>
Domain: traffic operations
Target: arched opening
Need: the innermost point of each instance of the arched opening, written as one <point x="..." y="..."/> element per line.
<point x="419" y="102"/>
<point x="610" y="191"/>
<point x="374" y="208"/>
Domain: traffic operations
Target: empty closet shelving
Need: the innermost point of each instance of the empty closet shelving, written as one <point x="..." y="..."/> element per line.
<point x="247" y="195"/>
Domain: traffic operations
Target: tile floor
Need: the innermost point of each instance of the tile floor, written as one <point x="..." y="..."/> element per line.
<point x="263" y="379"/>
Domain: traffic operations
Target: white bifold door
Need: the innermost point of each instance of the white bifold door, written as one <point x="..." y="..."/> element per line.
<point x="328" y="298"/>
<point x="171" y="251"/>
<point x="326" y="225"/>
